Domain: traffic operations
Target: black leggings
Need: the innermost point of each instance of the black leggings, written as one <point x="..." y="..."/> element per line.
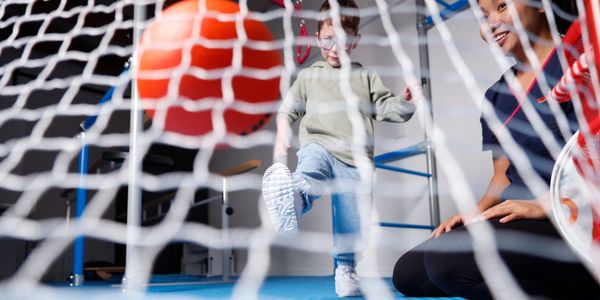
<point x="540" y="261"/>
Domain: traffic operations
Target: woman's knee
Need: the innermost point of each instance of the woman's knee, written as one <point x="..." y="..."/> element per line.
<point x="450" y="265"/>
<point x="410" y="277"/>
<point x="404" y="277"/>
<point x="441" y="268"/>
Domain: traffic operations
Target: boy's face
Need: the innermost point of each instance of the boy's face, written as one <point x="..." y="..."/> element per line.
<point x="327" y="41"/>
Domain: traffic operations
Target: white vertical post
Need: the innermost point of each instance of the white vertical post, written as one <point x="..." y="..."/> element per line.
<point x="131" y="280"/>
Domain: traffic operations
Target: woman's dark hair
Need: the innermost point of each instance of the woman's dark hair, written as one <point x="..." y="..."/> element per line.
<point x="565" y="13"/>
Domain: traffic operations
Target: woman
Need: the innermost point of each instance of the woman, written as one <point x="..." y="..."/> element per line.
<point x="540" y="261"/>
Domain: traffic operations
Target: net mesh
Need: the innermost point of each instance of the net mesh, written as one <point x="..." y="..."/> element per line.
<point x="64" y="62"/>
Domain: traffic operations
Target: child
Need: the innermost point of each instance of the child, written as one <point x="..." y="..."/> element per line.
<point x="326" y="138"/>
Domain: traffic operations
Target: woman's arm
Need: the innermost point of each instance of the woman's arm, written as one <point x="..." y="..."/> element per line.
<point x="490" y="198"/>
<point x="512" y="209"/>
<point x="497" y="184"/>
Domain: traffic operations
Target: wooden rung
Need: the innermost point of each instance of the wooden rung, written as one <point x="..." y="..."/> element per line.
<point x="241" y="168"/>
<point x="106" y="269"/>
<point x="160" y="200"/>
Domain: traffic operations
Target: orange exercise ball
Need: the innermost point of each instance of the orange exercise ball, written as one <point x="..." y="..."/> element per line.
<point x="161" y="52"/>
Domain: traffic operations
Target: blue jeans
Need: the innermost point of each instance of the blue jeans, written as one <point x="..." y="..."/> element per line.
<point x="317" y="171"/>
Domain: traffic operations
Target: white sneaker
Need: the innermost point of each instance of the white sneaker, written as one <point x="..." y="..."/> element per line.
<point x="281" y="199"/>
<point x="347" y="283"/>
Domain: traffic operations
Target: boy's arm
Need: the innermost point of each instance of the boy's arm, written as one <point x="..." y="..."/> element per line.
<point x="282" y="140"/>
<point x="292" y="108"/>
<point x="387" y="106"/>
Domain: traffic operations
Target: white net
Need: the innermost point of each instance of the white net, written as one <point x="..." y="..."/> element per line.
<point x="210" y="76"/>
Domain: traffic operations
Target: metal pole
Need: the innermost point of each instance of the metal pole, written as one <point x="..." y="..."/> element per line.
<point x="422" y="29"/>
<point x="79" y="243"/>
<point x="131" y="280"/>
<point x="226" y="251"/>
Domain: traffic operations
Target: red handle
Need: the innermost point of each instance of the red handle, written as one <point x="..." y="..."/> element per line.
<point x="301" y="58"/>
<point x="281" y="3"/>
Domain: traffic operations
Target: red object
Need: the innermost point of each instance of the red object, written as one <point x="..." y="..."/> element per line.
<point x="586" y="161"/>
<point x="573" y="43"/>
<point x="302" y="32"/>
<point x="592" y="8"/>
<point x="297" y="5"/>
<point x="183" y="29"/>
<point x="573" y="210"/>
<point x="577" y="74"/>
<point x="301" y="58"/>
<point x="533" y="83"/>
<point x="587" y="153"/>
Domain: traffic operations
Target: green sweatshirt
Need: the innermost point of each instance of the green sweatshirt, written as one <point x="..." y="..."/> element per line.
<point x="316" y="97"/>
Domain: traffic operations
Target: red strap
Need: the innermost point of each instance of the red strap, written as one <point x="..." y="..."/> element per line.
<point x="512" y="115"/>
<point x="301" y="58"/>
<point x="302" y="32"/>
<point x="297" y="5"/>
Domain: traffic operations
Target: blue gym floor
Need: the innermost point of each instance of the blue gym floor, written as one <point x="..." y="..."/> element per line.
<point x="273" y="288"/>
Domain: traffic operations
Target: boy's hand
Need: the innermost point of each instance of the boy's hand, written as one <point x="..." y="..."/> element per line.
<point x="407" y="94"/>
<point x="282" y="142"/>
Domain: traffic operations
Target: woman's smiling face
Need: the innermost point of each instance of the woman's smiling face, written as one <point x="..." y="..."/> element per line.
<point x="499" y="20"/>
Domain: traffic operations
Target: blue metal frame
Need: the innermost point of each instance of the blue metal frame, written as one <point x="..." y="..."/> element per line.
<point x="449" y="10"/>
<point x="400" y="154"/>
<point x="401" y="225"/>
<point x="402" y="170"/>
<point x="407" y="152"/>
<point x="422" y="148"/>
<point x="89" y="122"/>
<point x="79" y="242"/>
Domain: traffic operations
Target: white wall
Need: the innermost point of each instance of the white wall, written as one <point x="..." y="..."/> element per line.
<point x="398" y="197"/>
<point x="456" y="114"/>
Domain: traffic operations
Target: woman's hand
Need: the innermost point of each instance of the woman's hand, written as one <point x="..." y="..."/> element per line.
<point x="448" y="225"/>
<point x="490" y="199"/>
<point x="511" y="210"/>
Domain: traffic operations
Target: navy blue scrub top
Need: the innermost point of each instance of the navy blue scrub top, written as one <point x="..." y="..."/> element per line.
<point x="509" y="112"/>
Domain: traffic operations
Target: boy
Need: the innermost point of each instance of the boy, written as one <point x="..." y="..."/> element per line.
<point x="326" y="138"/>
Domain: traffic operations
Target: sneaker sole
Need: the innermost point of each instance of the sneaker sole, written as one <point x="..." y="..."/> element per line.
<point x="278" y="194"/>
<point x="348" y="292"/>
<point x="343" y="289"/>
